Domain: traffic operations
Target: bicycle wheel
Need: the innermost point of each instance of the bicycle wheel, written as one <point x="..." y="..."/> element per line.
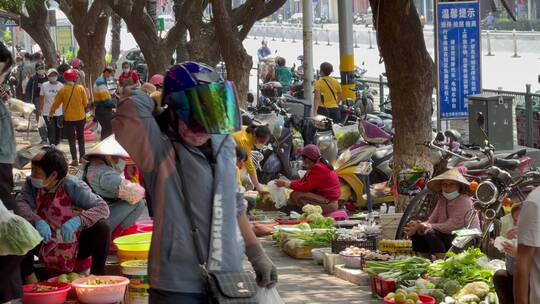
<point x="419" y="208"/>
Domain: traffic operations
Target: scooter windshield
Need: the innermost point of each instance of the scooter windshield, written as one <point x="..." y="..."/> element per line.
<point x="373" y="134"/>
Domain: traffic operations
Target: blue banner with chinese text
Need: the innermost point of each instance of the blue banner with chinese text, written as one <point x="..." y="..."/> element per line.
<point x="458" y="51"/>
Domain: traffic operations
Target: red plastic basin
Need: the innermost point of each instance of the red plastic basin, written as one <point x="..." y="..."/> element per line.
<point x="57" y="296"/>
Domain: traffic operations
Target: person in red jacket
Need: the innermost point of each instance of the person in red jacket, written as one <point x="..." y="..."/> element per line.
<point x="320" y="186"/>
<point x="128" y="73"/>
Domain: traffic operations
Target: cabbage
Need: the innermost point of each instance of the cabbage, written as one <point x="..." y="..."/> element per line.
<point x="17" y="236"/>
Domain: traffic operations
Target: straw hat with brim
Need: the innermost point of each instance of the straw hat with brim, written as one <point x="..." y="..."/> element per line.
<point x="452" y="175"/>
<point x="108" y="146"/>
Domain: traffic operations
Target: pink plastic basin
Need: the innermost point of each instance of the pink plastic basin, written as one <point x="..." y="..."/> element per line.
<point x="100" y="294"/>
<point x="57" y="296"/>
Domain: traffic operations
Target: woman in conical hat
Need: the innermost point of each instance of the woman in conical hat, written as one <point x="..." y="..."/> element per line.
<point x="103" y="170"/>
<point x="453" y="211"/>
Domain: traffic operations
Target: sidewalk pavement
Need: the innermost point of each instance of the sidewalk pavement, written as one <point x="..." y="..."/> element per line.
<point x="301" y="281"/>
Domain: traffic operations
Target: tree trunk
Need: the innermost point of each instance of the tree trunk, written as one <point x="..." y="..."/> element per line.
<point x="36" y="26"/>
<point x="42" y="37"/>
<point x="90" y="24"/>
<point x="182" y="53"/>
<point x="116" y="29"/>
<point x="237" y="60"/>
<point x="158" y="62"/>
<point x="411" y="81"/>
<point x="92" y="48"/>
<point x="151" y="9"/>
<point x="204" y="48"/>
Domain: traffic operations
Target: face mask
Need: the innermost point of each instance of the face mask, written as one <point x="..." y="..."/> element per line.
<point x="120" y="165"/>
<point x="41" y="72"/>
<point x="53" y="78"/>
<point x="195" y="139"/>
<point x="125" y="71"/>
<point x="37" y="182"/>
<point x="451" y="196"/>
<point x="260" y="146"/>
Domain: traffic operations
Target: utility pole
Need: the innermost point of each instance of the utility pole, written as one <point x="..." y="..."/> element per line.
<point x="346" y="49"/>
<point x="308" y="50"/>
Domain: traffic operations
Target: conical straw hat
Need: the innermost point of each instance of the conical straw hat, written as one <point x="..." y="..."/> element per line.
<point x="454" y="175"/>
<point x="108" y="146"/>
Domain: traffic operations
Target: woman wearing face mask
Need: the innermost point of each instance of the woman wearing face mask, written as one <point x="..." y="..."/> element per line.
<point x="67" y="215"/>
<point x="127" y="73"/>
<point x="452" y="212"/>
<point x="320" y="186"/>
<point x="48" y="93"/>
<point x="247" y="139"/>
<point x="103" y="170"/>
<point x="187" y="158"/>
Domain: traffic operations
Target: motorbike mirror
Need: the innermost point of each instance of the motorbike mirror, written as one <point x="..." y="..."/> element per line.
<point x="250" y="98"/>
<point x="480" y="119"/>
<point x="439" y="137"/>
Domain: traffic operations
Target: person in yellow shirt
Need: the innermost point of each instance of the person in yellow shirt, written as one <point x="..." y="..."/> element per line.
<point x="247" y="139"/>
<point x="72" y="97"/>
<point x="157" y="80"/>
<point x="327" y="94"/>
<point x="241" y="158"/>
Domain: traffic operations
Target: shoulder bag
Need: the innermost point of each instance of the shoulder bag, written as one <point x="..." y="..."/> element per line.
<point x="222" y="287"/>
<point x="340" y="106"/>
<point x="60" y="120"/>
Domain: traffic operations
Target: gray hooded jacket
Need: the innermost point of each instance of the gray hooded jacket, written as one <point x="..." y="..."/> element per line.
<point x="212" y="190"/>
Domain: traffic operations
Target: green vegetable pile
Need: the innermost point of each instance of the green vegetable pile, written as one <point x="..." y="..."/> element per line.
<point x="410" y="268"/>
<point x="462" y="267"/>
<point x="308" y="237"/>
<point x="318" y="240"/>
<point x="322" y="223"/>
<point x="17" y="236"/>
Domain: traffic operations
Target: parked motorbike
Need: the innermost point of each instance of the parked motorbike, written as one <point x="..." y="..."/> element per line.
<point x="497" y="190"/>
<point x="474" y="160"/>
<point x="353" y="184"/>
<point x="278" y="155"/>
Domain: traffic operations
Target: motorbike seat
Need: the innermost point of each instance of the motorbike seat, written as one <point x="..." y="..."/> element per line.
<point x="476" y="164"/>
<point x="290" y="98"/>
<point x="508" y="164"/>
<point x="381" y="155"/>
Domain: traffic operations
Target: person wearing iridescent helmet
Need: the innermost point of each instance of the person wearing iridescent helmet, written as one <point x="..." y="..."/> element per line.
<point x="187" y="156"/>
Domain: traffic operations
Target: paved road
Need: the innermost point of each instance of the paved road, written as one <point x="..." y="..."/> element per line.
<point x="301" y="281"/>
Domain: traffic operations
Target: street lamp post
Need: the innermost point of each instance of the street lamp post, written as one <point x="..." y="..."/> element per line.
<point x="346" y="49"/>
<point x="308" y="50"/>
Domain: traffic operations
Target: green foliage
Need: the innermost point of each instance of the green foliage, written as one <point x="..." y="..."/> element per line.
<point x="504" y="24"/>
<point x="69" y="55"/>
<point x="6" y="36"/>
<point x="16" y="6"/>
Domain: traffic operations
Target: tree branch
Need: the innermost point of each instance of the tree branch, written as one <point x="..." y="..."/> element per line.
<point x="241" y="13"/>
<point x="252" y="17"/>
<point x="138" y="7"/>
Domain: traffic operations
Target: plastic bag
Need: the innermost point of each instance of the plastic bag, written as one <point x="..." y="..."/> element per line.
<point x="269" y="296"/>
<point x="41" y="122"/>
<point x="278" y="195"/>
<point x="17" y="236"/>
